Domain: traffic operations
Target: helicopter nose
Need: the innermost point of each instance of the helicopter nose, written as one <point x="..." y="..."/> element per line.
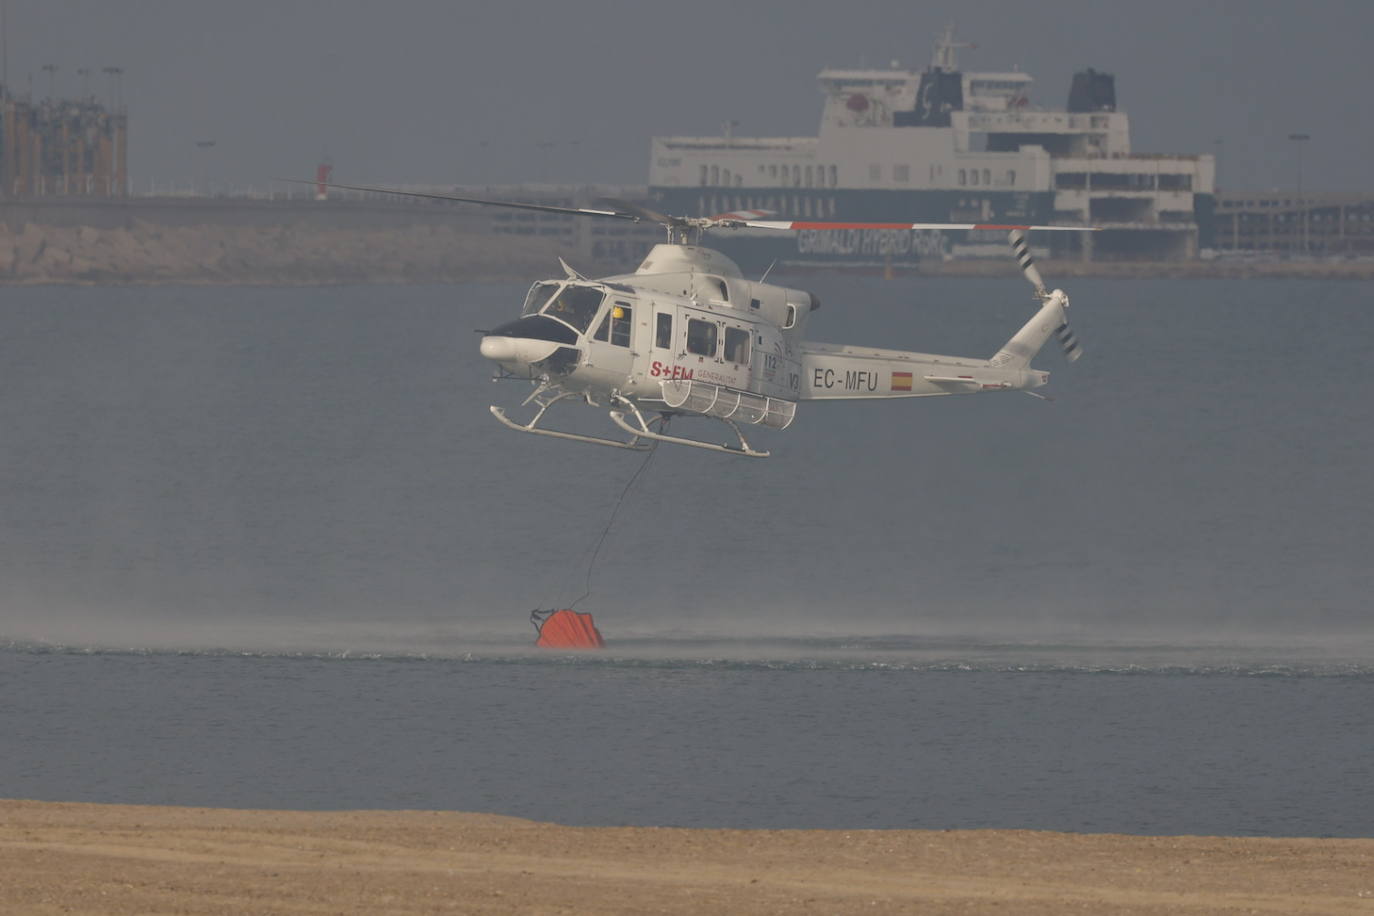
<point x="516" y="350"/>
<point x="499" y="349"/>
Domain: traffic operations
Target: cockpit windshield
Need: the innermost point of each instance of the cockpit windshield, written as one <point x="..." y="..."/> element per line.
<point x="539" y="294"/>
<point x="575" y="306"/>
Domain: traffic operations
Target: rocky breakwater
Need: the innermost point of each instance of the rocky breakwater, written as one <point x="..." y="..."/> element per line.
<point x="142" y="252"/>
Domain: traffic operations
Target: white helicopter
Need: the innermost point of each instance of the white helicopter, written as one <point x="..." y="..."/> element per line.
<point x="687" y="335"/>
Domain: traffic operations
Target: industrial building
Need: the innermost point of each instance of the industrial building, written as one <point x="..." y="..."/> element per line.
<point x="62" y="148"/>
<point x="1301" y="223"/>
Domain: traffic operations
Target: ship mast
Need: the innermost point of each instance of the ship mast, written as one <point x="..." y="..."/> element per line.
<point x="945" y="48"/>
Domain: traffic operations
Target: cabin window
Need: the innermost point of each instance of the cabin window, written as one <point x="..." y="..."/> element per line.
<point x="1011" y="177"/>
<point x="701" y="337"/>
<point x="963" y="177"/>
<point x="791" y="319"/>
<point x="663" y="331"/>
<point x="703" y="176"/>
<point x="616" y="325"/>
<point x="901" y="173"/>
<point x="834" y="176"/>
<point x="736" y="345"/>
<point x="987" y="176"/>
<point x="576" y="306"/>
<point x="973" y="176"/>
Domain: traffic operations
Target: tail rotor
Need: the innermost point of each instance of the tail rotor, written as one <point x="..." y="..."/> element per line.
<point x="1068" y="341"/>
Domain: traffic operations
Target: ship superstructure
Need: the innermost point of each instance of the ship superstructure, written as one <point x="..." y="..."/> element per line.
<point x="946" y="145"/>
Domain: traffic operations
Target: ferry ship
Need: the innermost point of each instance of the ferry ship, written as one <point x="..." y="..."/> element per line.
<point x="943" y="145"/>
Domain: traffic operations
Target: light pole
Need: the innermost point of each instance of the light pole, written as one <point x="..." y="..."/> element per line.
<point x="52" y="80"/>
<point x="116" y="87"/>
<point x="1301" y="139"/>
<point x="205" y="145"/>
<point x="545" y="157"/>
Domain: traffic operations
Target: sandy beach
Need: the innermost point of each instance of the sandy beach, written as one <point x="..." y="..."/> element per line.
<point x="117" y="859"/>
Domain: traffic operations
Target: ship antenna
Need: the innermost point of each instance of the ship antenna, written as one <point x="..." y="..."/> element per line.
<point x="769" y="270"/>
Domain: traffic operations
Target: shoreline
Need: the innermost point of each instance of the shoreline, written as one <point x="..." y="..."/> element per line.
<point x="388" y="251"/>
<point x="125" y="859"/>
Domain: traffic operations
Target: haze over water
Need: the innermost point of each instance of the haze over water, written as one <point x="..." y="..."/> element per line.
<point x="215" y="457"/>
<point x="1142" y="607"/>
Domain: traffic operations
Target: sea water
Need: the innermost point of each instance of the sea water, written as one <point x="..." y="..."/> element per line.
<point x="266" y="547"/>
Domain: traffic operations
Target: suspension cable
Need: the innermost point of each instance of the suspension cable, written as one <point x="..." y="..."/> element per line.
<point x="596" y="551"/>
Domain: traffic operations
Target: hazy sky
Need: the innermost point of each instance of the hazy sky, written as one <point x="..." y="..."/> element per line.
<point x="475" y="93"/>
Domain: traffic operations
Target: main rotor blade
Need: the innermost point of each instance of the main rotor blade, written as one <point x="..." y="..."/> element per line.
<point x="571" y="211"/>
<point x="812" y="224"/>
<point x="625" y="206"/>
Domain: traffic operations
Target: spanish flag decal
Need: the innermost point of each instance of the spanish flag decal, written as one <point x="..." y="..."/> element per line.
<point x="901" y="381"/>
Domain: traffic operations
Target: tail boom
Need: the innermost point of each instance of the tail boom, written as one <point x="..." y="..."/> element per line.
<point x="835" y="372"/>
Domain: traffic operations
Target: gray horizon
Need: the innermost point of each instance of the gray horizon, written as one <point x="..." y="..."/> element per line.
<point x="429" y="92"/>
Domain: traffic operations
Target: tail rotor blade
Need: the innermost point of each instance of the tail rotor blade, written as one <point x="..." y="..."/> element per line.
<point x="1023" y="257"/>
<point x="1068" y="341"/>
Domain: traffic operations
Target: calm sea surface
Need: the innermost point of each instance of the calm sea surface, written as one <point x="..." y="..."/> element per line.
<point x="267" y="548"/>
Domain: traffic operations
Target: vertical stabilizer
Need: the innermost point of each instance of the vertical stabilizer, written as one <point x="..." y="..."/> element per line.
<point x="1025" y="343"/>
<point x="1051" y="319"/>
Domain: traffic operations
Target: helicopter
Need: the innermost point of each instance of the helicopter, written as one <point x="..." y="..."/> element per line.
<point x="687" y="335"/>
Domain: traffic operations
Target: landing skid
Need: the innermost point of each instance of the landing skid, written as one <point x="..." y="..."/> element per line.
<point x="640" y="429"/>
<point x="544" y="404"/>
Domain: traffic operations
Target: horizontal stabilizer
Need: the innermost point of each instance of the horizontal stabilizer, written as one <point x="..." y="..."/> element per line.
<point x="952" y="381"/>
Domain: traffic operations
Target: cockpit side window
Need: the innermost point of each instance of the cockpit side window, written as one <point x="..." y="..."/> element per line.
<point x="575" y="306"/>
<point x="539" y="294"/>
<point x="621" y="318"/>
<point x="615" y="327"/>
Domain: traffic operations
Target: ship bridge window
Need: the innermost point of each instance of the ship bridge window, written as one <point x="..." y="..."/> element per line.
<point x="575" y="306"/>
<point x="539" y="294"/>
<point x="701" y="337"/>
